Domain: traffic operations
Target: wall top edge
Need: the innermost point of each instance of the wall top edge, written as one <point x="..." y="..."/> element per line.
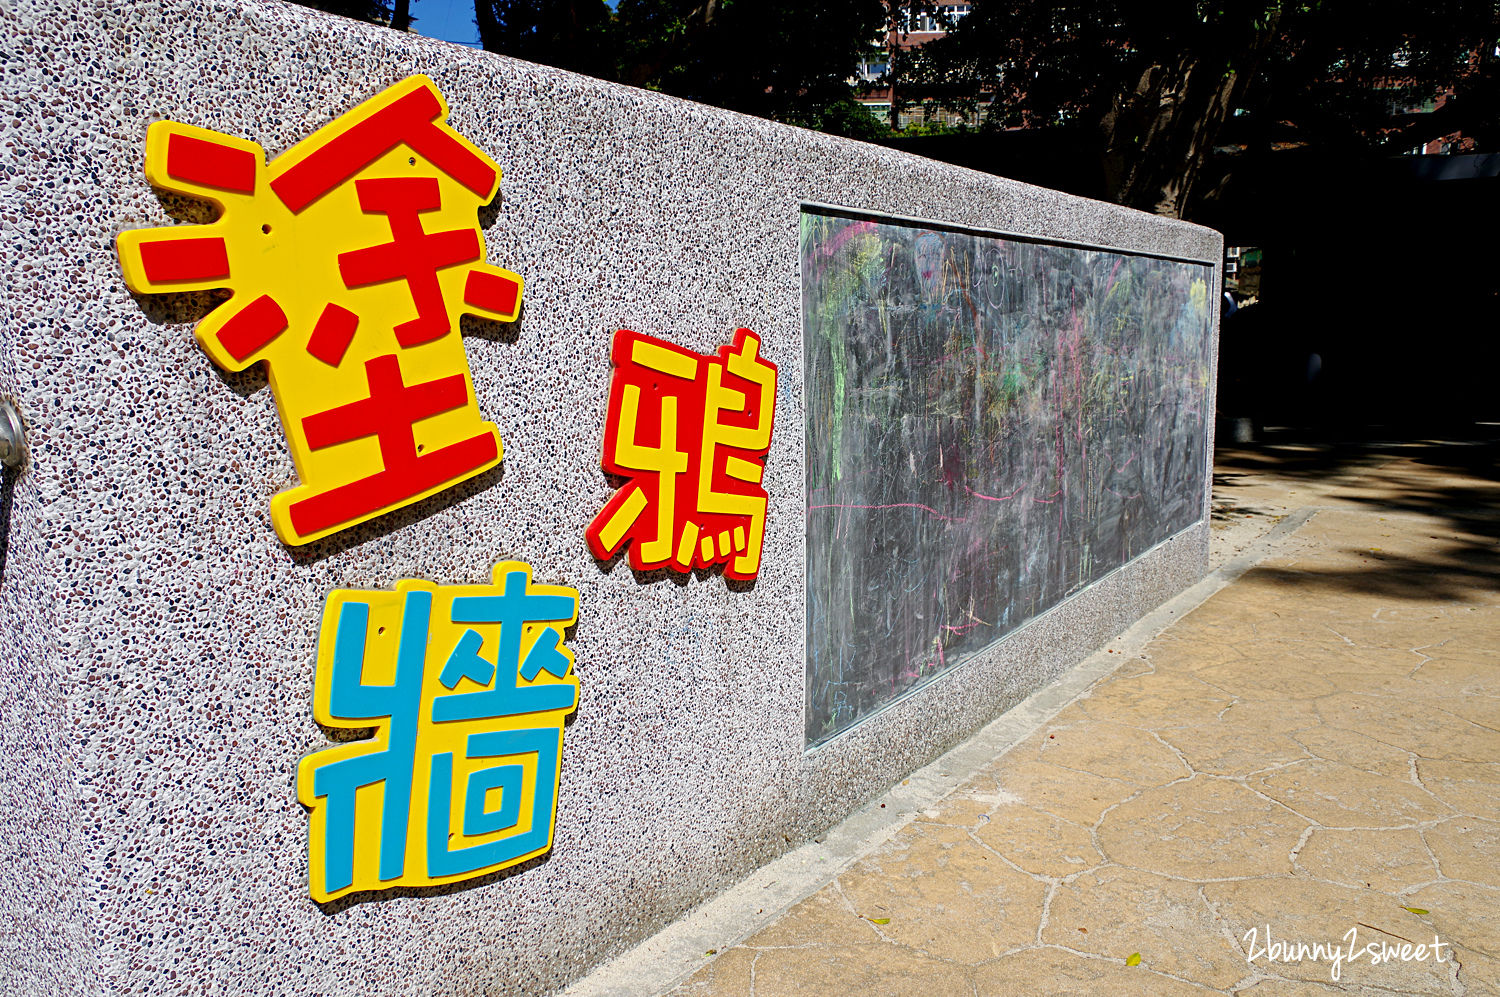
<point x="1029" y="211"/>
<point x="1023" y="235"/>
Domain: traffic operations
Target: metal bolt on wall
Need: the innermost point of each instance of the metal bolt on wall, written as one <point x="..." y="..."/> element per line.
<point x="12" y="435"/>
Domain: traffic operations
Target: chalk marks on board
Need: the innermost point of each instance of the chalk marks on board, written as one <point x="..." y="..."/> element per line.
<point x="992" y="424"/>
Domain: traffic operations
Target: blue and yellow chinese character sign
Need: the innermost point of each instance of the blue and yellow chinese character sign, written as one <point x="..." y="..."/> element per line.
<point x="466" y="688"/>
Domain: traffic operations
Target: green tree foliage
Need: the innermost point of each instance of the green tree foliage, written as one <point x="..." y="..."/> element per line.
<point x="570" y="34"/>
<point x="1159" y="83"/>
<point x="787" y="61"/>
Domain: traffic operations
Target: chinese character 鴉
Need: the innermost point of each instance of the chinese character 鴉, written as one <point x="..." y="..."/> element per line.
<point x="691" y="433"/>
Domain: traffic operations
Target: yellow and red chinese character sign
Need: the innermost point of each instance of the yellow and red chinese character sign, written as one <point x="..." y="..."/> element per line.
<point x="691" y="433"/>
<point x="350" y="259"/>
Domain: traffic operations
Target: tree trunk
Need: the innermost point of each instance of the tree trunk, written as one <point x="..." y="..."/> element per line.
<point x="401" y="15"/>
<point x="1159" y="137"/>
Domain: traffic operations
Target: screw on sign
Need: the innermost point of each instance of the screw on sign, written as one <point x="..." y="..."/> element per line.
<point x="467" y="688"/>
<point x="350" y="259"/>
<point x="691" y="433"/>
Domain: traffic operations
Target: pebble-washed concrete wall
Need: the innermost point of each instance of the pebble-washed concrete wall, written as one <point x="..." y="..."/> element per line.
<point x="157" y="647"/>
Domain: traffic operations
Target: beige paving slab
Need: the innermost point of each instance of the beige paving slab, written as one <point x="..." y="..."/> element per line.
<point x="1114" y="751"/>
<point x="1202" y="828"/>
<point x="1412" y="725"/>
<point x="1254" y="716"/>
<point x="1404" y="684"/>
<point x="1157" y="701"/>
<point x="1338" y="795"/>
<point x="1461" y="913"/>
<point x="945" y="895"/>
<point x="1478" y="974"/>
<point x="729" y="975"/>
<point x="825" y="918"/>
<point x="1468" y="787"/>
<point x="1273" y="678"/>
<point x="1300" y="988"/>
<point x="1050" y="972"/>
<point x="964" y="809"/>
<point x="1314" y="750"/>
<point x="1468" y="674"/>
<point x="1160" y="914"/>
<point x="1333" y="652"/>
<point x="1067" y="793"/>
<point x="1466" y="848"/>
<point x="1235" y="744"/>
<point x="1481" y="711"/>
<point x="1289" y="915"/>
<point x="1038" y="842"/>
<point x="1389" y="860"/>
<point x="1180" y="651"/>
<point x="1356" y="750"/>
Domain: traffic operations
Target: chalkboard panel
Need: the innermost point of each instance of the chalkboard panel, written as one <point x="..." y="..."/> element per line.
<point x="992" y="424"/>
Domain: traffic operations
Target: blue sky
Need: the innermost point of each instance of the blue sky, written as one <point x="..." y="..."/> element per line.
<point x="450" y="20"/>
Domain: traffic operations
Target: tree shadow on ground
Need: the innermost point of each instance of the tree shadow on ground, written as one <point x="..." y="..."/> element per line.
<point x="1453" y="483"/>
<point x="1456" y="573"/>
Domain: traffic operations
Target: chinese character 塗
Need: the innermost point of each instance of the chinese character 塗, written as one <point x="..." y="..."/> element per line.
<point x="691" y="433"/>
<point x="350" y="259"/>
<point x="467" y="688"/>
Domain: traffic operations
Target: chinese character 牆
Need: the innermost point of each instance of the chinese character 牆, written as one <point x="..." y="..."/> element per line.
<point x="467" y="688"/>
<point x="691" y="433"/>
<point x="350" y="259"/>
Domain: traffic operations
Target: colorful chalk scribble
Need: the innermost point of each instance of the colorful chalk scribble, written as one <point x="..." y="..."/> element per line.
<point x="992" y="424"/>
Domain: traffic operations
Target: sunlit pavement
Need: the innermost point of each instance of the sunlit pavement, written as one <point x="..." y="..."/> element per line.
<point x="1311" y="755"/>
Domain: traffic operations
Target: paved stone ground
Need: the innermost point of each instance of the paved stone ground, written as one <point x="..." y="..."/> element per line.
<point x="1314" y="750"/>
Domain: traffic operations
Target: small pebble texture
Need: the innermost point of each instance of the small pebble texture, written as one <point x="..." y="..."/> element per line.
<point x="156" y="662"/>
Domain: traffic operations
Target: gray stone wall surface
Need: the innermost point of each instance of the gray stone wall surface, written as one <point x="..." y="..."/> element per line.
<point x="158" y="639"/>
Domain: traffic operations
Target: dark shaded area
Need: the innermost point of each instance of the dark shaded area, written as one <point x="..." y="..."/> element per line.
<point x="1463" y="496"/>
<point x="800" y="56"/>
<point x="7" y="499"/>
<point x="1379" y="300"/>
<point x="1165" y="89"/>
<point x="397" y="519"/>
<point x="332" y="908"/>
<point x="568" y="34"/>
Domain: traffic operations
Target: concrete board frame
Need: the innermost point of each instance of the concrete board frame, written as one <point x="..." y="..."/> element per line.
<point x="994" y="647"/>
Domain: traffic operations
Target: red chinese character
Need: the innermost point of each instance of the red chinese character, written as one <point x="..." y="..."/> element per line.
<point x="691" y="433"/>
<point x="350" y="258"/>
<point x="388" y="414"/>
